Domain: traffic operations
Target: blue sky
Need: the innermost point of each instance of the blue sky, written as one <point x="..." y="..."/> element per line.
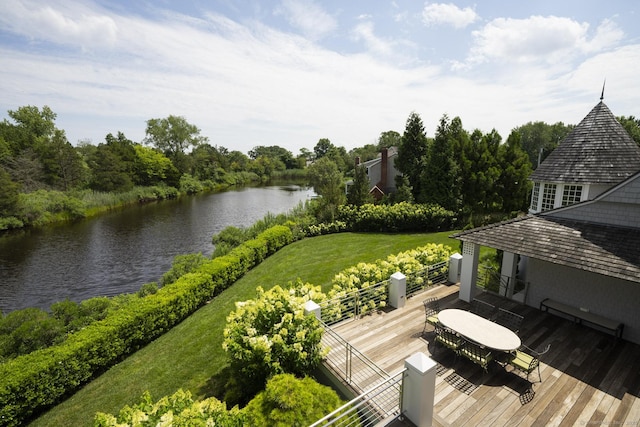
<point x="289" y="72"/>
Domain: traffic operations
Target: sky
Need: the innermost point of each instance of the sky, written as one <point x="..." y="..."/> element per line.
<point x="290" y="72"/>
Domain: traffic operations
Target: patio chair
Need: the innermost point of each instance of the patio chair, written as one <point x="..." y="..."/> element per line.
<point x="477" y="354"/>
<point x="526" y="362"/>
<point x="509" y="319"/>
<point x="449" y="339"/>
<point x="482" y="308"/>
<point x="431" y="310"/>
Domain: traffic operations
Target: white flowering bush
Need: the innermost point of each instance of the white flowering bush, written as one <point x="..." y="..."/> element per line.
<point x="364" y="276"/>
<point x="177" y="410"/>
<point x="271" y="335"/>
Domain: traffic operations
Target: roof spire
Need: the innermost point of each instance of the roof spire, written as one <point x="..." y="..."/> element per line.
<point x="602" y="94"/>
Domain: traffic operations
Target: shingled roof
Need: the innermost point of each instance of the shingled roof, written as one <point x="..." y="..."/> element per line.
<point x="598" y="151"/>
<point x="597" y="248"/>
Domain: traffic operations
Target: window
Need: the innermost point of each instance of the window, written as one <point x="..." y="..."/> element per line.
<point x="571" y="194"/>
<point x="548" y="197"/>
<point x="535" y="196"/>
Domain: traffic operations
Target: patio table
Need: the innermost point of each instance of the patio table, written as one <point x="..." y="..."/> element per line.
<point x="479" y="330"/>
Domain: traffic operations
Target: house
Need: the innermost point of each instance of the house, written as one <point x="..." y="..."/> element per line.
<point x="580" y="243"/>
<point x="382" y="172"/>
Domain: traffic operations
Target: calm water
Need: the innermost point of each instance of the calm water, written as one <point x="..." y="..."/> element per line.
<point x="118" y="252"/>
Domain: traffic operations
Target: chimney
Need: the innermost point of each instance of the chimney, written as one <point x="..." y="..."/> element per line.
<point x="383" y="169"/>
<point x="357" y="160"/>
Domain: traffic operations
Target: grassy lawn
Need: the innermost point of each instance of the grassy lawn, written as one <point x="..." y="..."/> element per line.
<point x="190" y="356"/>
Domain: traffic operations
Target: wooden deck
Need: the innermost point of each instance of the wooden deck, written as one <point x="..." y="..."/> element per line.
<point x="588" y="378"/>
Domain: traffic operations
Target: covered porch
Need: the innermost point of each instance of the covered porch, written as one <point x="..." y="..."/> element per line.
<point x="588" y="377"/>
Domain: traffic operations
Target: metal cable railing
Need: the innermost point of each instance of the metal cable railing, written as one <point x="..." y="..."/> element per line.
<point x="369" y="408"/>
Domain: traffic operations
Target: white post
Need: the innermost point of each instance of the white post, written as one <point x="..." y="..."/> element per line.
<point x="469" y="273"/>
<point x="418" y="389"/>
<point x="455" y="263"/>
<point x="310" y="307"/>
<point x="398" y="290"/>
<point x="509" y="269"/>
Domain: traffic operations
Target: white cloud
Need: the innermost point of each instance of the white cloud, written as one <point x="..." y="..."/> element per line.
<point x="546" y="39"/>
<point x="308" y="17"/>
<point x="65" y="24"/>
<point x="364" y="31"/>
<point x="449" y="14"/>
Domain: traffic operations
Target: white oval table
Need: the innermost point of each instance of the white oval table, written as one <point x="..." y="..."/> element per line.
<point x="480" y="330"/>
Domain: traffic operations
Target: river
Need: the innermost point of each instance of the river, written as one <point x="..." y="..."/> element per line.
<point x="120" y="251"/>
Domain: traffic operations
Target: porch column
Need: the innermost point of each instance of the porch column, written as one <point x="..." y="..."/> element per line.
<point x="469" y="273"/>
<point x="509" y="270"/>
<point x="397" y="290"/>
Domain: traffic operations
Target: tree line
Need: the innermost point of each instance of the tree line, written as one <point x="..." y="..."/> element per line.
<point x="469" y="172"/>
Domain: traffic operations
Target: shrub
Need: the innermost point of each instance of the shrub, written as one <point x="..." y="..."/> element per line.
<point x="190" y="185"/>
<point x="182" y="264"/>
<point x="288" y="401"/>
<point x="30" y="383"/>
<point x="271" y="335"/>
<point x="402" y="216"/>
<point x="179" y="410"/>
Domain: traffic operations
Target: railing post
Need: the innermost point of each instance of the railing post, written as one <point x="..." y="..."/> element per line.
<point x="397" y="290"/>
<point x="418" y="389"/>
<point x="310" y="307"/>
<point x="455" y="265"/>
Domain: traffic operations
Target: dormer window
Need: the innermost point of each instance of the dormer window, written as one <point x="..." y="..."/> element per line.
<point x="548" y="197"/>
<point x="571" y="194"/>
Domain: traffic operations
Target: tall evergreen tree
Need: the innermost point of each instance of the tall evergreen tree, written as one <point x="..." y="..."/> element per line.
<point x="440" y="181"/>
<point x="412" y="152"/>
<point x="358" y="193"/>
<point x="514" y="184"/>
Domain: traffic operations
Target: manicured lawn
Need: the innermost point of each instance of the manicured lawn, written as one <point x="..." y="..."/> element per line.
<point x="190" y="356"/>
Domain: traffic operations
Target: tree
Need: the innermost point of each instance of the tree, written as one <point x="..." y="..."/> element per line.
<point x="514" y="185"/>
<point x="539" y="139"/>
<point x="271" y="335"/>
<point x="440" y="183"/>
<point x="327" y="181"/>
<point x="412" y="153"/>
<point x="275" y="152"/>
<point x="151" y="167"/>
<point x="388" y="139"/>
<point x="358" y="193"/>
<point x="9" y="192"/>
<point x="112" y="164"/>
<point x="173" y="136"/>
<point x="322" y="148"/>
<point x="632" y="126"/>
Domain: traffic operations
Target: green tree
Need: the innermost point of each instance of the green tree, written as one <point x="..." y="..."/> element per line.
<point x="9" y="194"/>
<point x="151" y="167"/>
<point x="279" y="154"/>
<point x="514" y="185"/>
<point x="322" y="148"/>
<point x="328" y="182"/>
<point x="288" y="401"/>
<point x="173" y="135"/>
<point x="358" y="193"/>
<point x="412" y="153"/>
<point x="632" y="126"/>
<point x="113" y="164"/>
<point x="271" y="335"/>
<point x="539" y="139"/>
<point x="440" y="180"/>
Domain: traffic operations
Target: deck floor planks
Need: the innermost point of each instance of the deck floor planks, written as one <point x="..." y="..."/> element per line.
<point x="587" y="377"/>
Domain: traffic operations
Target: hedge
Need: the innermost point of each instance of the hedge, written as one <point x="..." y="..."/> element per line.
<point x="33" y="382"/>
<point x="402" y="216"/>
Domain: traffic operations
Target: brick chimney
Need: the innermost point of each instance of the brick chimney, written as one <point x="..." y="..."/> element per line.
<point x="383" y="169"/>
<point x="357" y="160"/>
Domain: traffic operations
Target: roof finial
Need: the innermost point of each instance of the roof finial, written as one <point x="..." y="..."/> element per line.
<point x="602" y="94"/>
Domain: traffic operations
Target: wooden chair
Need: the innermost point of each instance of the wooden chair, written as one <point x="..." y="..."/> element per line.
<point x="477" y="354"/>
<point x="482" y="308"/>
<point x="509" y="319"/>
<point x="431" y="310"/>
<point x="449" y="339"/>
<point x="526" y="362"/>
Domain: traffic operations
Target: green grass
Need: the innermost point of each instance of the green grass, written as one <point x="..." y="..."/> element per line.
<point x="190" y="356"/>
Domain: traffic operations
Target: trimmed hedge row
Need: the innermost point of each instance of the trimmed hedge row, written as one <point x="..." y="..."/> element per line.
<point x="402" y="216"/>
<point x="30" y="383"/>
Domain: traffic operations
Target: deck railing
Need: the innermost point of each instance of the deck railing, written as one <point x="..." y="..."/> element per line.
<point x="362" y="301"/>
<point x="378" y="403"/>
<point x="356" y="369"/>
